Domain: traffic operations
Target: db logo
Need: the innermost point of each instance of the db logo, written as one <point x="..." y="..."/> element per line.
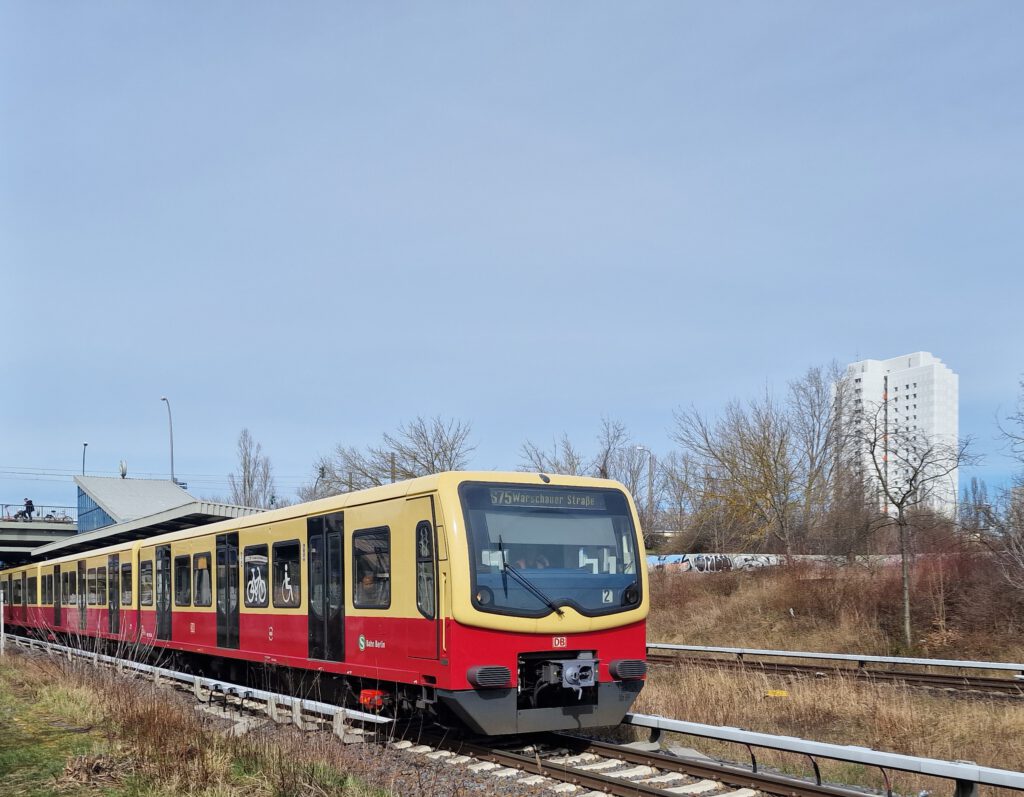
<point x="559" y="642"/>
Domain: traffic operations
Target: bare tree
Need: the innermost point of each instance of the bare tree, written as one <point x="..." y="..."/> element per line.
<point x="417" y="448"/>
<point x="253" y="484"/>
<point x="1006" y="516"/>
<point x="613" y="442"/>
<point x="907" y="470"/>
<point x="689" y="505"/>
<point x="814" y="402"/>
<point x="563" y="458"/>
<point x="975" y="509"/>
<point x="1012" y="430"/>
<point x="748" y="456"/>
<point x="848" y="520"/>
<point x="1008" y="521"/>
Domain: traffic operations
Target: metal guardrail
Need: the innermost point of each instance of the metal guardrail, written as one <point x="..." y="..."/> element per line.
<point x="861" y="660"/>
<point x="296" y="704"/>
<point x="968" y="776"/>
<point x="42" y="513"/>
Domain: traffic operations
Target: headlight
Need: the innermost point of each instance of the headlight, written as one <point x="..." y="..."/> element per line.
<point x="489" y="677"/>
<point x="628" y="668"/>
<point x="630" y="595"/>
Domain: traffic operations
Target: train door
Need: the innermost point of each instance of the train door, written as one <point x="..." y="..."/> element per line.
<point x="163" y="592"/>
<point x="419" y="516"/>
<point x="58" y="596"/>
<point x="24" y="596"/>
<point x="83" y="612"/>
<point x="114" y="593"/>
<point x="227" y="590"/>
<point x="325" y="569"/>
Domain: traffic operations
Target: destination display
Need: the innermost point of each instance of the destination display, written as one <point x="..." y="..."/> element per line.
<point x="546" y="499"/>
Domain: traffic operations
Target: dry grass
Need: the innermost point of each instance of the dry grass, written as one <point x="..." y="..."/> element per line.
<point x="960" y="609"/>
<point x="154" y="742"/>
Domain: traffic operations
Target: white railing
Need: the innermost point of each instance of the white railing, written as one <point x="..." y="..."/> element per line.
<point x="860" y="659"/>
<point x="968" y="776"/>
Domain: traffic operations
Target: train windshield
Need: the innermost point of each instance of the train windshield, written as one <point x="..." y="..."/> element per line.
<point x="536" y="548"/>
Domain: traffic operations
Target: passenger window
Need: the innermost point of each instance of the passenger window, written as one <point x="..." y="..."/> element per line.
<point x="16" y="597"/>
<point x="101" y="586"/>
<point x="371" y="563"/>
<point x="256" y="577"/>
<point x="146" y="583"/>
<point x="90" y="590"/>
<point x="425" y="569"/>
<point x="182" y="581"/>
<point x="71" y="597"/>
<point x="32" y="595"/>
<point x="126" y="584"/>
<point x="203" y="580"/>
<point x="287" y="575"/>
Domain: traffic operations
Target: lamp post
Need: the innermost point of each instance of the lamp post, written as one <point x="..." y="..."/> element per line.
<point x="650" y="487"/>
<point x="84" y="446"/>
<point x="170" y="428"/>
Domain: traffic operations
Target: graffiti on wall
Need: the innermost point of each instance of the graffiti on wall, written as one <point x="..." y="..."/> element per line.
<point x="712" y="562"/>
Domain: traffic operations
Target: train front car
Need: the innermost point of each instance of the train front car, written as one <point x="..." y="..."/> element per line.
<point x="549" y="606"/>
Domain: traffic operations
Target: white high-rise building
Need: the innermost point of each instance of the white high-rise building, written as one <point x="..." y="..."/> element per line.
<point x="911" y="396"/>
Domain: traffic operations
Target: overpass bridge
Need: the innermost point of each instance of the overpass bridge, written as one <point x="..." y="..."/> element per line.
<point x="19" y="537"/>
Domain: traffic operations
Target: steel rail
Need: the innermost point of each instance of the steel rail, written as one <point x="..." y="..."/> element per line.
<point x="707" y="768"/>
<point x="861" y="660"/>
<point x="977" y="683"/>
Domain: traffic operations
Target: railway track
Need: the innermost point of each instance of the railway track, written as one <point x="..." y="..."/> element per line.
<point x="569" y="764"/>
<point x="553" y="762"/>
<point x="949" y="682"/>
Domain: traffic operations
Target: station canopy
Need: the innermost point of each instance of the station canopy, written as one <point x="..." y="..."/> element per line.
<point x="115" y="510"/>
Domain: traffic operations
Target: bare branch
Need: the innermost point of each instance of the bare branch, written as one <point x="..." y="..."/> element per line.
<point x="253" y="485"/>
<point x="418" y="448"/>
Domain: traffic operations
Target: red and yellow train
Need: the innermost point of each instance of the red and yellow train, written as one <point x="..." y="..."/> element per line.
<point x="508" y="602"/>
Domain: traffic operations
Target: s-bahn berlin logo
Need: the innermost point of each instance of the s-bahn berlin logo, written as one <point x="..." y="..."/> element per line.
<point x="365" y="643"/>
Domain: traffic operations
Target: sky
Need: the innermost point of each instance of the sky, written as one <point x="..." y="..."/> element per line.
<point x="320" y="220"/>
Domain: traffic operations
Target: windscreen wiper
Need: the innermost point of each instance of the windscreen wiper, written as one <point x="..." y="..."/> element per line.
<point x="537" y="593"/>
